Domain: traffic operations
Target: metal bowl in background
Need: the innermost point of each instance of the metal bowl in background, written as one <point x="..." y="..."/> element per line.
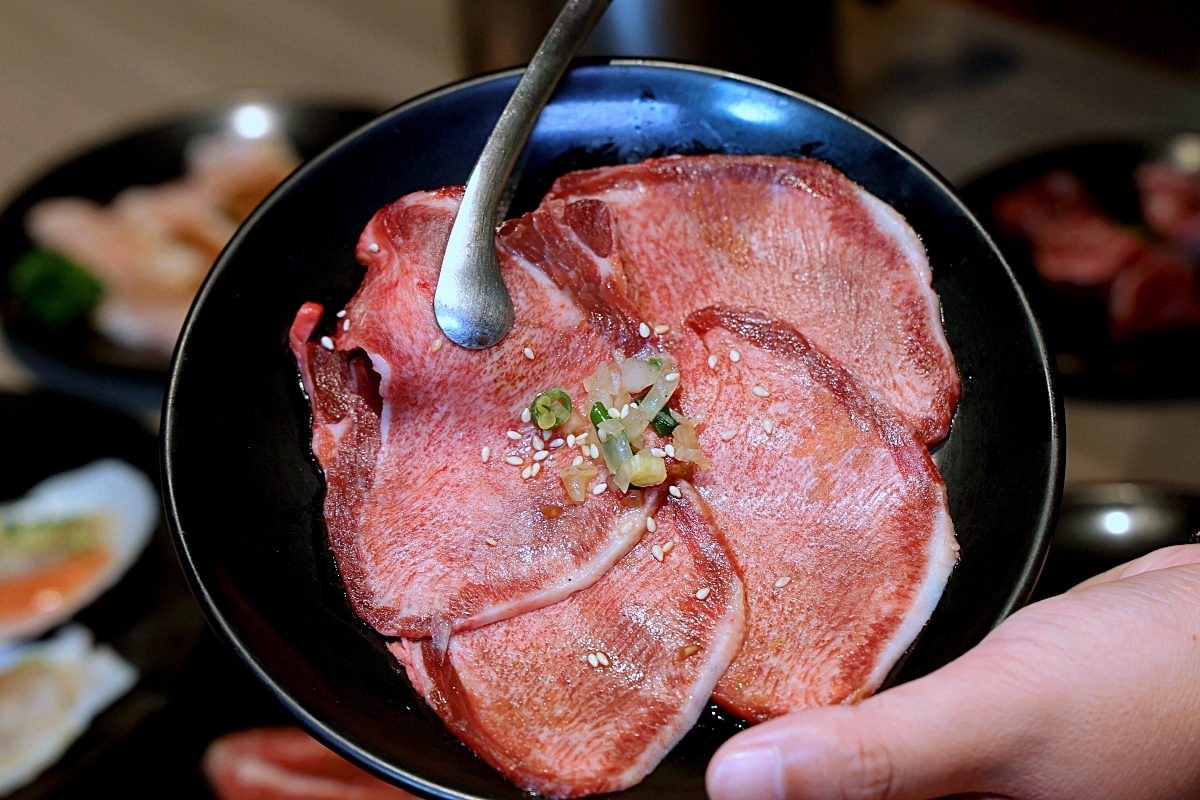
<point x="75" y="359"/>
<point x="1102" y="525"/>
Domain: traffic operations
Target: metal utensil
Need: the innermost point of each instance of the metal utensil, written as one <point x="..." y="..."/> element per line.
<point x="471" y="303"/>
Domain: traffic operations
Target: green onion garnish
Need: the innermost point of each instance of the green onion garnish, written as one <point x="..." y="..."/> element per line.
<point x="663" y="422"/>
<point x="599" y="414"/>
<point x="551" y="408"/>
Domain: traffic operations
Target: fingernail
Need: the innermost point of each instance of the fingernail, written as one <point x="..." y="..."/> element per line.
<point x="754" y="774"/>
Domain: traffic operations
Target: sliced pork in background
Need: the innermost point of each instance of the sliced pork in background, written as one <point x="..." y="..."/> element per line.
<point x="836" y="515"/>
<point x="1170" y="202"/>
<point x="1156" y="292"/>
<point x="432" y="528"/>
<point x="794" y="237"/>
<point x="588" y="695"/>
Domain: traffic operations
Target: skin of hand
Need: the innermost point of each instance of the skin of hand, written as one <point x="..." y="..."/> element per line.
<point x="1092" y="694"/>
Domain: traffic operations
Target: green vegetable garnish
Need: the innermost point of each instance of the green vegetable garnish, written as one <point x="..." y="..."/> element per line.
<point x="53" y="289"/>
<point x="655" y="361"/>
<point x="551" y="408"/>
<point x="663" y="422"/>
<point x="599" y="414"/>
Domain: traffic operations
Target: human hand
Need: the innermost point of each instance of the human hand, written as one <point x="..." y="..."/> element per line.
<point x="1091" y="694"/>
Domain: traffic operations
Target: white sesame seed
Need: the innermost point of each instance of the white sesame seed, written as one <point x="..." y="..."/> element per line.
<point x="485" y="454"/>
<point x="769" y="426"/>
<point x="657" y="552"/>
<point x="633" y="404"/>
<point x="703" y="593"/>
<point x="525" y="473"/>
<point x="651" y="524"/>
<point x="541" y="455"/>
<point x="668" y="547"/>
<point x="599" y="488"/>
<point x="525" y="415"/>
<point x="727" y="435"/>
<point x="782" y="582"/>
<point x="326" y="342"/>
<point x="529" y="353"/>
<point x="595" y="662"/>
<point x="613" y="412"/>
<point x="437" y="343"/>
<point x="644" y="330"/>
<point x="516" y="437"/>
<point x="735" y="356"/>
<point x="538" y="444"/>
<point x="658" y="451"/>
<point x="661" y="329"/>
<point x="712" y="361"/>
<point x="625" y="411"/>
<point x="341" y="313"/>
<point x="374" y="248"/>
<point x="626" y="528"/>
<point x="491" y="542"/>
<point x="516" y="461"/>
<point x="581" y="438"/>
<point x="761" y="391"/>
<point x="346" y="327"/>
<point x="535" y="469"/>
<point x="595" y="452"/>
<point x="545" y="436"/>
<point x="603" y="436"/>
<point x="602" y="658"/>
<point x="674" y="490"/>
<point x="570" y="440"/>
<point x="669" y="450"/>
<point x="556" y="443"/>
<point x="576" y="461"/>
<point x="674" y="376"/>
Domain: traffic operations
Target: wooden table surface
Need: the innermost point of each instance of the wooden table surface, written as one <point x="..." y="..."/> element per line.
<point x="74" y="70"/>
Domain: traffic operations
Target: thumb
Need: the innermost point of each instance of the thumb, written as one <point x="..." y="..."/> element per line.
<point x="941" y="735"/>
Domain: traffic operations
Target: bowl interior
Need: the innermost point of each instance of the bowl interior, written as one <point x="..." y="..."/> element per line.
<point x="75" y="358"/>
<point x="244" y="494"/>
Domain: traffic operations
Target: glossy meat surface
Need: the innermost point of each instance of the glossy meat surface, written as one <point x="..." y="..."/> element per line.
<point x="428" y="536"/>
<point x="796" y="238"/>
<point x="837" y="517"/>
<point x="525" y="696"/>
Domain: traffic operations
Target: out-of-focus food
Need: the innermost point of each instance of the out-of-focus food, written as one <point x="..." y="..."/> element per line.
<point x="1149" y="285"/>
<point x="50" y="691"/>
<point x="287" y="764"/>
<point x="661" y="434"/>
<point x="68" y="540"/>
<point x="149" y="249"/>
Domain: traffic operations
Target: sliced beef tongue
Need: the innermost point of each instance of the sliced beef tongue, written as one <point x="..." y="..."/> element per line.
<point x="428" y="535"/>
<point x="796" y="238"/>
<point x="836" y="515"/>
<point x="588" y="695"/>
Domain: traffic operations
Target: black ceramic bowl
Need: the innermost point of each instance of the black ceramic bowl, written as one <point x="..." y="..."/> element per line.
<point x="76" y="359"/>
<point x="148" y="617"/>
<point x="1092" y="365"/>
<point x="244" y="494"/>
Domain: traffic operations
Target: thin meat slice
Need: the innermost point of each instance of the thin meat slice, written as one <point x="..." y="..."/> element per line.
<point x="287" y="764"/>
<point x="836" y="515"/>
<point x="588" y="695"/>
<point x="1074" y="244"/>
<point x="794" y="237"/>
<point x="1155" y="293"/>
<point x="1170" y="202"/>
<point x="430" y="536"/>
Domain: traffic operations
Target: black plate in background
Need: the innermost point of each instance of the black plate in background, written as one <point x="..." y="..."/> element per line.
<point x="245" y="495"/>
<point x="149" y="617"/>
<point x="1090" y="364"/>
<point x="76" y="359"/>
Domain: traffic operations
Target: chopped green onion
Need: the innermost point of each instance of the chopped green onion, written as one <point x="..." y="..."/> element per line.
<point x="663" y="422"/>
<point x="599" y="414"/>
<point x="551" y="408"/>
<point x="53" y="289"/>
<point x="656" y="361"/>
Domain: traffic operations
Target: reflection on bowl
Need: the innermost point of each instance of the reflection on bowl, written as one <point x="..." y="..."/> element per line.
<point x="1102" y="525"/>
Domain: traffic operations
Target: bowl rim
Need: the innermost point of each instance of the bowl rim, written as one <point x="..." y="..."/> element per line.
<point x="1021" y="590"/>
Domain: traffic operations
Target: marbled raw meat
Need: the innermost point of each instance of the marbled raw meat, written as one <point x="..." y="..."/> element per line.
<point x="524" y="696"/>
<point x="836" y="515"/>
<point x="796" y="238"/>
<point x="427" y="536"/>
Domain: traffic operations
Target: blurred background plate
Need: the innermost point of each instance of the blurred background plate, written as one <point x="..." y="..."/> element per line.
<point x="1090" y="363"/>
<point x="76" y="359"/>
